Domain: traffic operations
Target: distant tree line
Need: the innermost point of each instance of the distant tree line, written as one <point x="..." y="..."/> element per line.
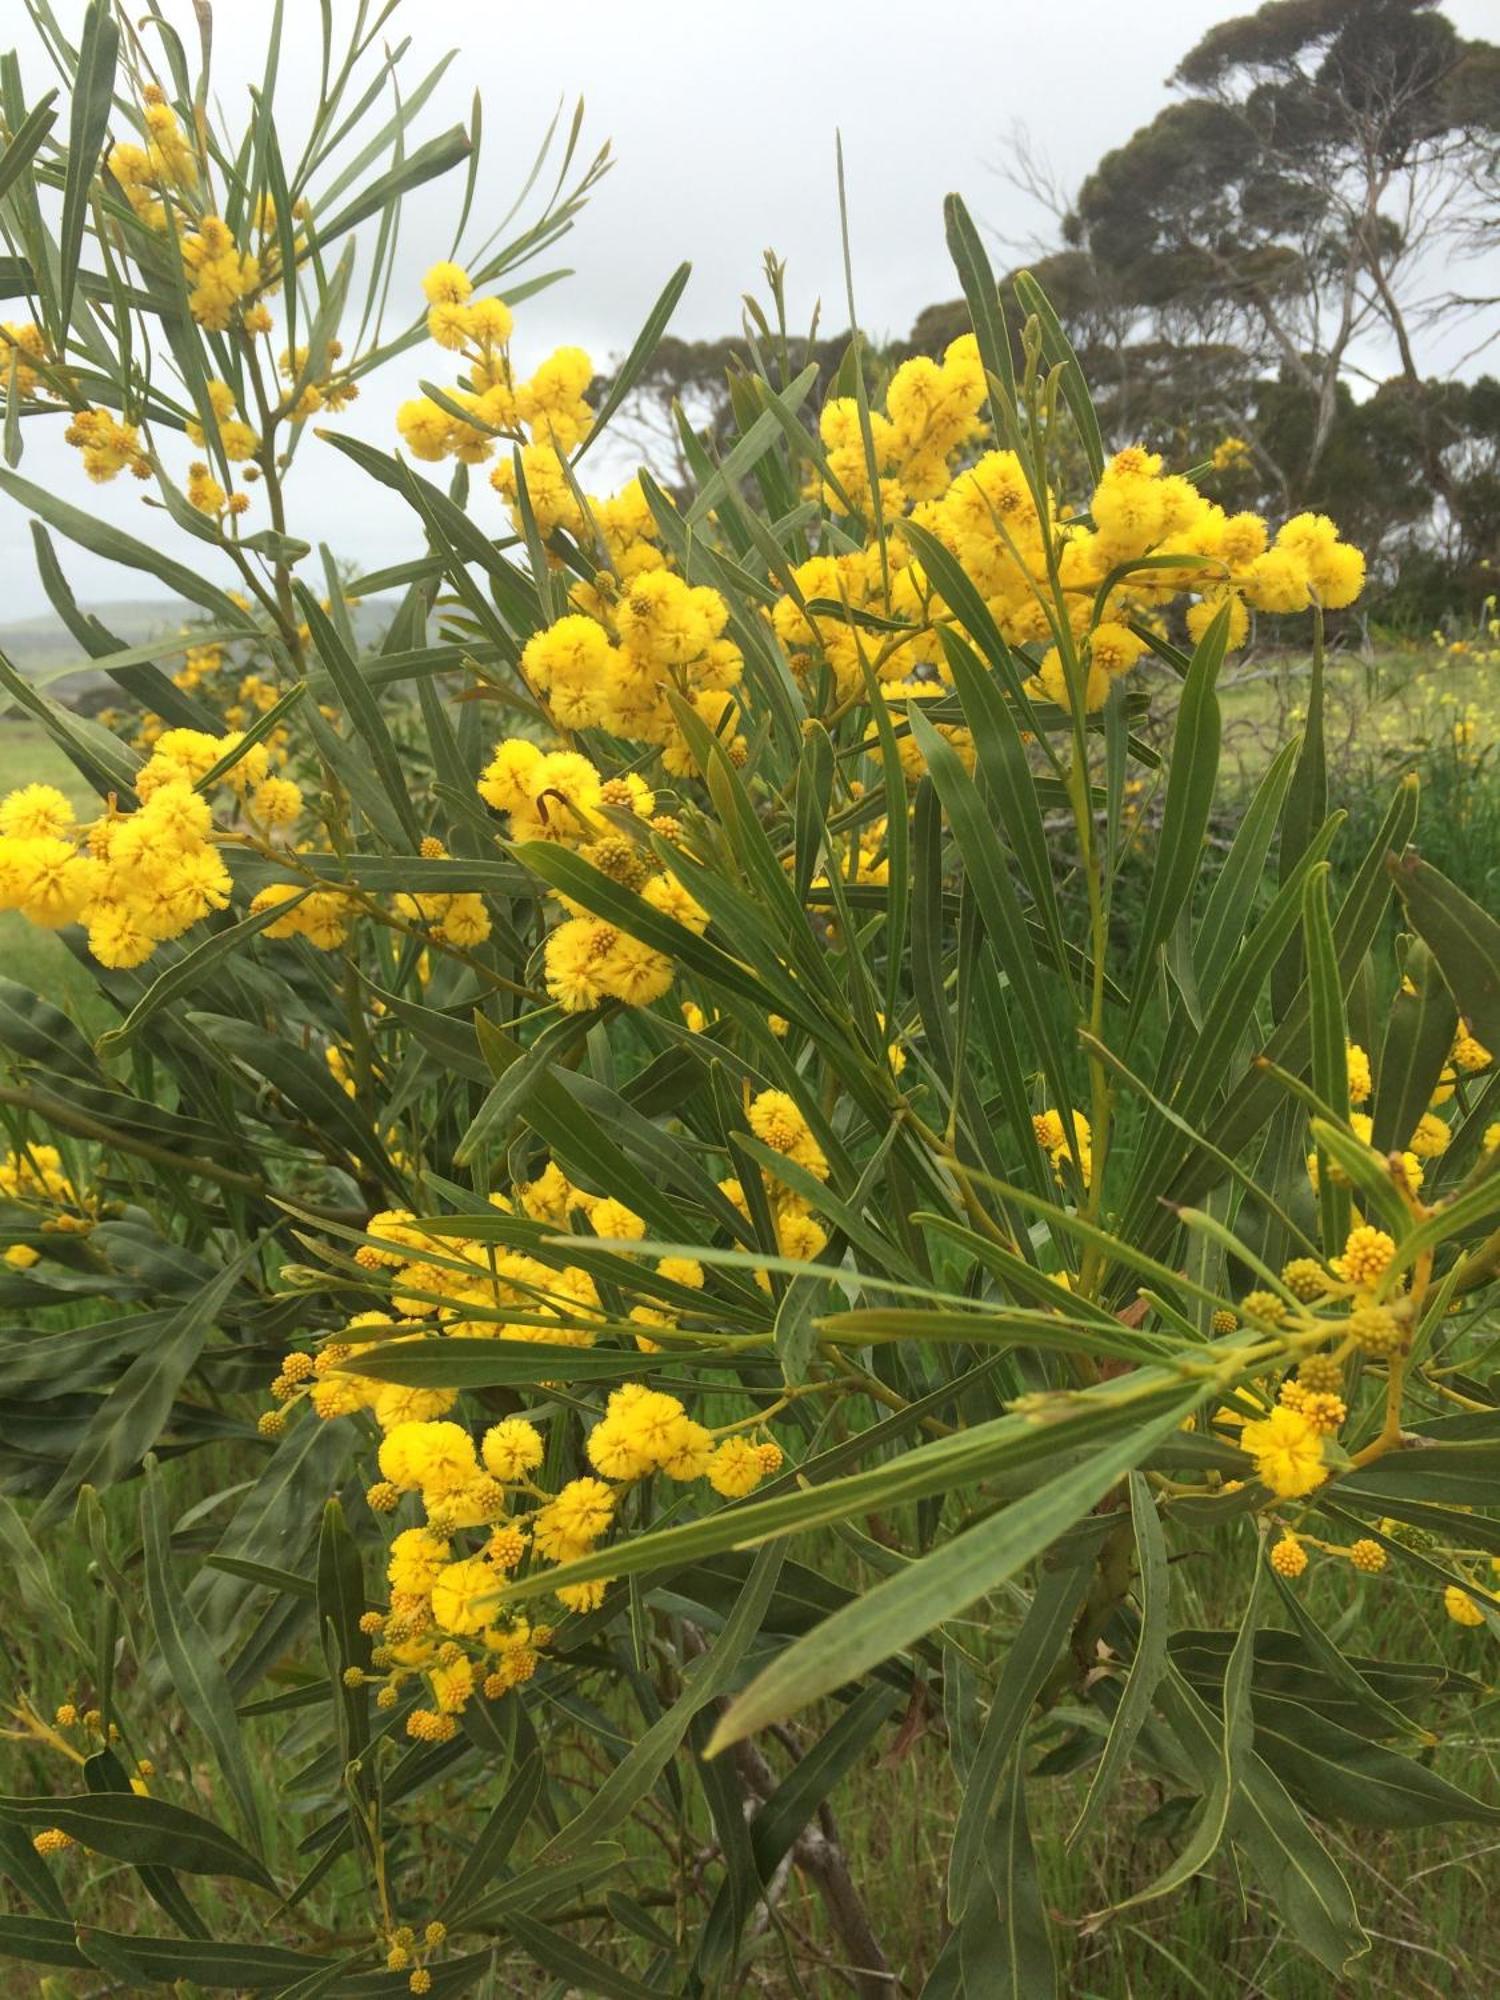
<point x="1268" y="277"/>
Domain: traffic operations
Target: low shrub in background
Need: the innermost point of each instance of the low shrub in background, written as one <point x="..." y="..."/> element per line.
<point x="632" y="1137"/>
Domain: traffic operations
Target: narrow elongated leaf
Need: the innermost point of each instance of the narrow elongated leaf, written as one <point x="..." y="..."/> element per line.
<point x="985" y="863"/>
<point x="1419" y="1033"/>
<point x="705" y="1681"/>
<point x="163" y="1961"/>
<point x="497" y="1837"/>
<point x="341" y="1605"/>
<point x="581" y="1970"/>
<point x="1193" y="771"/>
<point x="362" y="709"/>
<point x="1005" y="1944"/>
<point x="1153" y="1587"/>
<point x="981" y="294"/>
<point x="126" y="1424"/>
<point x="189" y="1655"/>
<point x="1329" y="1036"/>
<point x="190" y="970"/>
<point x="1463" y="938"/>
<point x="32" y="1580"/>
<point x="27" y="139"/>
<point x="45" y="1940"/>
<point x="937" y="1587"/>
<point x="93" y="95"/>
<point x="1031" y="1658"/>
<point x="94" y="532"/>
<point x="143" y="1831"/>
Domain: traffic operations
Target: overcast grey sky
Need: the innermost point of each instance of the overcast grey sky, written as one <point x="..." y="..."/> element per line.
<point x="722" y="122"/>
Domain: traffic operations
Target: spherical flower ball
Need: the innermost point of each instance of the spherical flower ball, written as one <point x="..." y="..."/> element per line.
<point x="1469" y="1054"/>
<point x="686" y="1454"/>
<point x="1305" y="1278"/>
<point x="616" y="1451"/>
<point x="1114" y="647"/>
<point x="506" y="1545"/>
<point x="583" y="1596"/>
<point x="612" y="1219"/>
<point x="491" y="321"/>
<point x="1325" y="1411"/>
<point x="452" y="1683"/>
<point x="735" y="1468"/>
<point x="276" y="801"/>
<point x="1224" y="1322"/>
<point x="1288" y="1452"/>
<point x="1201" y="616"/>
<point x="1288" y="1557"/>
<point x="1375" y="1330"/>
<point x="777" y="1121"/>
<point x="1432" y="1136"/>
<point x="35" y="812"/>
<point x="1461" y="1607"/>
<point x="1367" y="1556"/>
<point x="1320" y="1374"/>
<point x="1053" y="677"/>
<point x="571" y="1523"/>
<point x="398" y="1403"/>
<point x="1263" y="1309"/>
<point x="1338" y="575"/>
<point x="447" y="284"/>
<point x="1278" y="582"/>
<point x="681" y="1271"/>
<point x="448" y="324"/>
<point x="463" y="1596"/>
<point x="1368" y="1253"/>
<point x="417" y="1558"/>
<point x="445" y="1460"/>
<point x="512" y="1448"/>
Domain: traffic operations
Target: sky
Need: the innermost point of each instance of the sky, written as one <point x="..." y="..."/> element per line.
<point x="722" y="123"/>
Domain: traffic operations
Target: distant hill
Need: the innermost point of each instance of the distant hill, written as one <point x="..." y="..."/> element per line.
<point x="37" y="644"/>
<point x="42" y="644"/>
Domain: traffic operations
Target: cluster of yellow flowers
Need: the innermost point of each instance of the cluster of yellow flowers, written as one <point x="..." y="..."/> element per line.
<point x="165" y="164"/>
<point x="459" y="918"/>
<point x="1052" y="1136"/>
<point x="559" y="795"/>
<point x="448" y="1284"/>
<point x="219" y="272"/>
<point x="444" y="1621"/>
<point x="638" y="634"/>
<point x="1228" y="453"/>
<point x="135" y="879"/>
<point x="1433" y="1134"/>
<point x="35" y="1173"/>
<point x="1366" y="1313"/>
<point x="1006" y="537"/>
<point x="483" y="1510"/>
<point x="23" y="345"/>
<point x="227" y="281"/>
<point x="109" y="445"/>
<point x="1465" y="1603"/>
<point x="33" y="1177"/>
<point x="543" y="417"/>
